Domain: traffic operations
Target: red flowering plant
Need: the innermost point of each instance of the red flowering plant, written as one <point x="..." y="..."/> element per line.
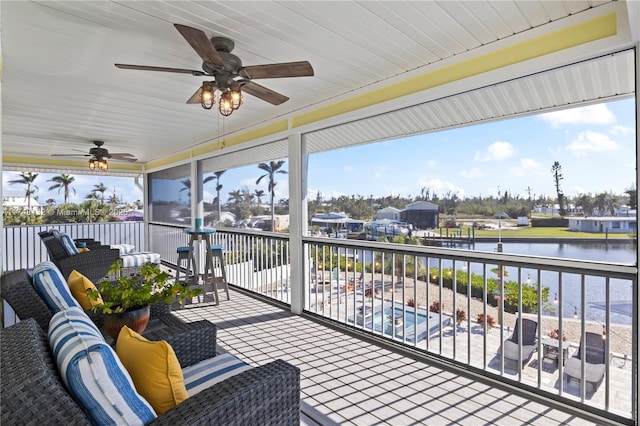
<point x="555" y="333"/>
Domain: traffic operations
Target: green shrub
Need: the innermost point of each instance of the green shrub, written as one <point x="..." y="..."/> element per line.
<point x="529" y="291"/>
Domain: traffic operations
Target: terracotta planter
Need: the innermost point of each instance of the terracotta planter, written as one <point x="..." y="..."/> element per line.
<point x="135" y="319"/>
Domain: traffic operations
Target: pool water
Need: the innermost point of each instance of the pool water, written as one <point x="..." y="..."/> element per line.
<point x="409" y="324"/>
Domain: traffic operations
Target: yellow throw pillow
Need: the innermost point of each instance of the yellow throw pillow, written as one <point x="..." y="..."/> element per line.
<point x="154" y="369"/>
<point x="79" y="284"/>
<point x="83" y="249"/>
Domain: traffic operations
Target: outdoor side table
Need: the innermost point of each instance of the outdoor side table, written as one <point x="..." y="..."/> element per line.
<point x="551" y="347"/>
<point x="199" y="235"/>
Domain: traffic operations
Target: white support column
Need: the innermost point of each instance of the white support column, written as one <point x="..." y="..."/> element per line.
<point x="146" y="190"/>
<point x="636" y="314"/>
<point x="197" y="203"/>
<point x="297" y="218"/>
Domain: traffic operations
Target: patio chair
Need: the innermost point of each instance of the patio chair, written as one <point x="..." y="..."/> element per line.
<point x="93" y="264"/>
<point x="511" y="345"/>
<point x="595" y="362"/>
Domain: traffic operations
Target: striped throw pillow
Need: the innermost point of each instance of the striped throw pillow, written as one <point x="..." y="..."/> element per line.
<point x="92" y="372"/>
<point x="52" y="287"/>
<point x="68" y="245"/>
<point x="202" y="375"/>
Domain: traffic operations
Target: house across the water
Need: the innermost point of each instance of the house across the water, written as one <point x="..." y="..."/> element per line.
<point x="607" y="224"/>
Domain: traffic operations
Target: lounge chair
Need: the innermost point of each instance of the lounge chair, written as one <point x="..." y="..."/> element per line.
<point x="511" y="345"/>
<point x="595" y="362"/>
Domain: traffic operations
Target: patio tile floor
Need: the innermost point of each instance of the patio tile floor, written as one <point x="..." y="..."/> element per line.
<point x="378" y="386"/>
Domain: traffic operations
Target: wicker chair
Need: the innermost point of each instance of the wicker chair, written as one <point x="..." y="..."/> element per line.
<point x="268" y="394"/>
<point x="93" y="264"/>
<point x="33" y="392"/>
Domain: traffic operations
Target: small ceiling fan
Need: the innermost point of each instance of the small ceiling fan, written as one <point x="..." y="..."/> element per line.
<point x="230" y="76"/>
<point x="98" y="153"/>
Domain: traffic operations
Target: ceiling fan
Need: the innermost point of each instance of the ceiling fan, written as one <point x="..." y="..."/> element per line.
<point x="230" y="76"/>
<point x="99" y="155"/>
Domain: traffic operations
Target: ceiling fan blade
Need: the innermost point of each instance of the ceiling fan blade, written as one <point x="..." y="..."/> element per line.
<point x="284" y="69"/>
<point x="200" y="43"/>
<point x="71" y="155"/>
<point x="120" y="154"/>
<point x="195" y="98"/>
<point x="162" y="69"/>
<point x="117" y="157"/>
<point x="263" y="93"/>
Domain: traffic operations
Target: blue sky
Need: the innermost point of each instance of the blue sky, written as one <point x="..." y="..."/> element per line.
<point x="594" y="144"/>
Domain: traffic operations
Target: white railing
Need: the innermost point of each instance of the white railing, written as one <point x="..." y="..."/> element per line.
<point x="24" y="249"/>
<point x="256" y="261"/>
<point x="415" y="296"/>
<point x="462" y="305"/>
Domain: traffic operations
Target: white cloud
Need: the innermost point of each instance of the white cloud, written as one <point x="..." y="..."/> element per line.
<point x="474" y="173"/>
<point x="588" y="141"/>
<point x="431" y="164"/>
<point x="592" y="114"/>
<point x="619" y="130"/>
<point x="251" y="182"/>
<point x="441" y="187"/>
<point x="529" y="163"/>
<point x="526" y="166"/>
<point x="497" y="151"/>
<point x="348" y="169"/>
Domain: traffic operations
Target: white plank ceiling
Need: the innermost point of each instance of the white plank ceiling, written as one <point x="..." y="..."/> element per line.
<point x="60" y="89"/>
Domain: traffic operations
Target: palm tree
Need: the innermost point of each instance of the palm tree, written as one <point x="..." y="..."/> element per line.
<point x="216" y="176"/>
<point x="101" y="189"/>
<point x="271" y="169"/>
<point x="63" y="181"/>
<point x="93" y="196"/>
<point x="556" y="170"/>
<point x="186" y="183"/>
<point x="26" y="179"/>
<point x="259" y="193"/>
<point x="236" y="197"/>
<point x="113" y="200"/>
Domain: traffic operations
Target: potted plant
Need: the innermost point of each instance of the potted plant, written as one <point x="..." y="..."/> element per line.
<point x="461" y="315"/>
<point x="491" y="322"/>
<point x="126" y="300"/>
<point x="436" y="306"/>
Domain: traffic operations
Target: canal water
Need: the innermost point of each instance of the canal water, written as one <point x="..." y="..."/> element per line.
<point x="620" y="292"/>
<point x="569" y="297"/>
<point x="604" y="252"/>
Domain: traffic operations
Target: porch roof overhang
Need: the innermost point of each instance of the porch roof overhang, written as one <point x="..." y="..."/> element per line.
<point x="439" y="64"/>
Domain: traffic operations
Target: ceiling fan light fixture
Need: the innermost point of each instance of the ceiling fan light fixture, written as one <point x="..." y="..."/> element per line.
<point x="236" y="98"/>
<point x="226" y="104"/>
<point x="207" y="96"/>
<point x="98" y="163"/>
<point x="103" y="166"/>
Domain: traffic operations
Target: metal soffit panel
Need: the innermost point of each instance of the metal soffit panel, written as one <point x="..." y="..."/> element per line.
<point x="258" y="154"/>
<point x="597" y="79"/>
<point x="61" y="90"/>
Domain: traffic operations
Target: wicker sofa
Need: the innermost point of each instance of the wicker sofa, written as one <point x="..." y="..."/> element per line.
<point x="33" y="393"/>
<point x="93" y="264"/>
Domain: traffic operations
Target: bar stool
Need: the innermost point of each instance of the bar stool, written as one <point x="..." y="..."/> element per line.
<point x="217" y="252"/>
<point x="183" y="254"/>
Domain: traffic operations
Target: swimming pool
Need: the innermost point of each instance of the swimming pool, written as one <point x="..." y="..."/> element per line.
<point x="397" y="321"/>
